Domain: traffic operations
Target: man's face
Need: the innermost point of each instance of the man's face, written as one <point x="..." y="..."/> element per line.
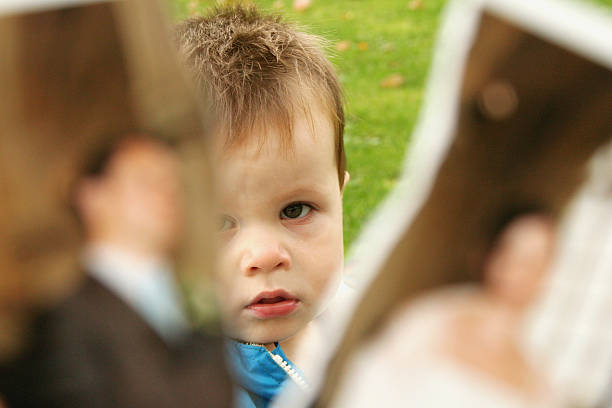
<point x="139" y="197"/>
<point x="280" y="231"/>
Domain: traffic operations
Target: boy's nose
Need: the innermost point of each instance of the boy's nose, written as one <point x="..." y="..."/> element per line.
<point x="265" y="257"/>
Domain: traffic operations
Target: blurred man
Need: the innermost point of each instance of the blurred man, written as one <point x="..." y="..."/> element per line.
<point x="72" y="77"/>
<point x="130" y="204"/>
<point x="122" y="339"/>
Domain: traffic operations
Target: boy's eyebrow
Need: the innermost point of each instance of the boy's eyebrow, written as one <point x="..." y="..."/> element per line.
<point x="300" y="190"/>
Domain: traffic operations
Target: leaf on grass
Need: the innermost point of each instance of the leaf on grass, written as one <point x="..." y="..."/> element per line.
<point x="192" y="7"/>
<point x="363" y="46"/>
<point x="392" y="81"/>
<point x="387" y="47"/>
<point x="347" y="15"/>
<point x="235" y="2"/>
<point x="278" y="4"/>
<point x="343" y="45"/>
<point x="415" y="5"/>
<point x="301" y="5"/>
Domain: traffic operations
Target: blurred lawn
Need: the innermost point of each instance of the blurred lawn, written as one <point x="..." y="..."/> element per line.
<point x="385" y="37"/>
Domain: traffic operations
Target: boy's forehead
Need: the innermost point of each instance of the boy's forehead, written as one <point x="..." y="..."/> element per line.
<point x="248" y="176"/>
<point x="312" y="129"/>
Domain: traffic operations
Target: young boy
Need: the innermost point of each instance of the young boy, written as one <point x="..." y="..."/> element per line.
<point x="280" y="162"/>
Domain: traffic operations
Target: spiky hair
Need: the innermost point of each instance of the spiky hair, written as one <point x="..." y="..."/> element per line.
<point x="256" y="71"/>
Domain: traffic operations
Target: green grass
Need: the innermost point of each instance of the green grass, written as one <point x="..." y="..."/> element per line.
<point x="379" y="120"/>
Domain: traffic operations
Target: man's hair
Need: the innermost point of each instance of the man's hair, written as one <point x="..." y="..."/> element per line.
<point x="99" y="157"/>
<point x="257" y="71"/>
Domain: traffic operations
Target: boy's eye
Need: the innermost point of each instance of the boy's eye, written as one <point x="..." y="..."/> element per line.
<point x="295" y="210"/>
<point x="225" y="223"/>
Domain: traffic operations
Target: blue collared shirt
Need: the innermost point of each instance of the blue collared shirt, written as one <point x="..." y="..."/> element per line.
<point x="258" y="377"/>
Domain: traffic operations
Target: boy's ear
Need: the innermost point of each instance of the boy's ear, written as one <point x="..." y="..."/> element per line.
<point x="347" y="177"/>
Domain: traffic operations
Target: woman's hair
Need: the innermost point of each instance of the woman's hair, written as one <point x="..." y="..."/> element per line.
<point x="71" y="77"/>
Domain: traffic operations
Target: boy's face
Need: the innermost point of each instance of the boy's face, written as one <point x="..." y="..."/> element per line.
<point x="280" y="232"/>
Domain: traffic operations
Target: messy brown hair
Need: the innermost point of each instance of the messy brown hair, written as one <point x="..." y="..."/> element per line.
<point x="258" y="71"/>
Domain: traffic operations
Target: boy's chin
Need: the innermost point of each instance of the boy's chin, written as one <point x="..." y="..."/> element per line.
<point x="267" y="336"/>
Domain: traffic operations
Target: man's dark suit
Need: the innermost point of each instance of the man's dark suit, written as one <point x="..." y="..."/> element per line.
<point x="95" y="351"/>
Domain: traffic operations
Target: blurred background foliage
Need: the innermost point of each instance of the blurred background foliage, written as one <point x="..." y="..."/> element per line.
<point x="382" y="50"/>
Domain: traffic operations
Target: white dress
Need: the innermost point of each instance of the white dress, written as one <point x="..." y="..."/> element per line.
<point x="399" y="367"/>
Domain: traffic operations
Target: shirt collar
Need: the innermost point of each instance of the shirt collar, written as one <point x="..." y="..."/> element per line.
<point x="145" y="283"/>
<point x="254" y="369"/>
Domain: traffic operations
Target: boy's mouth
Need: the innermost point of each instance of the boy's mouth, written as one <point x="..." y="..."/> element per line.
<point x="268" y="305"/>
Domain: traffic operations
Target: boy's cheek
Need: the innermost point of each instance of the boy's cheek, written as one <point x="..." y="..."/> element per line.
<point x="227" y="291"/>
<point x="231" y="317"/>
<point x="328" y="287"/>
<point x="325" y="271"/>
<point x="325" y="226"/>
